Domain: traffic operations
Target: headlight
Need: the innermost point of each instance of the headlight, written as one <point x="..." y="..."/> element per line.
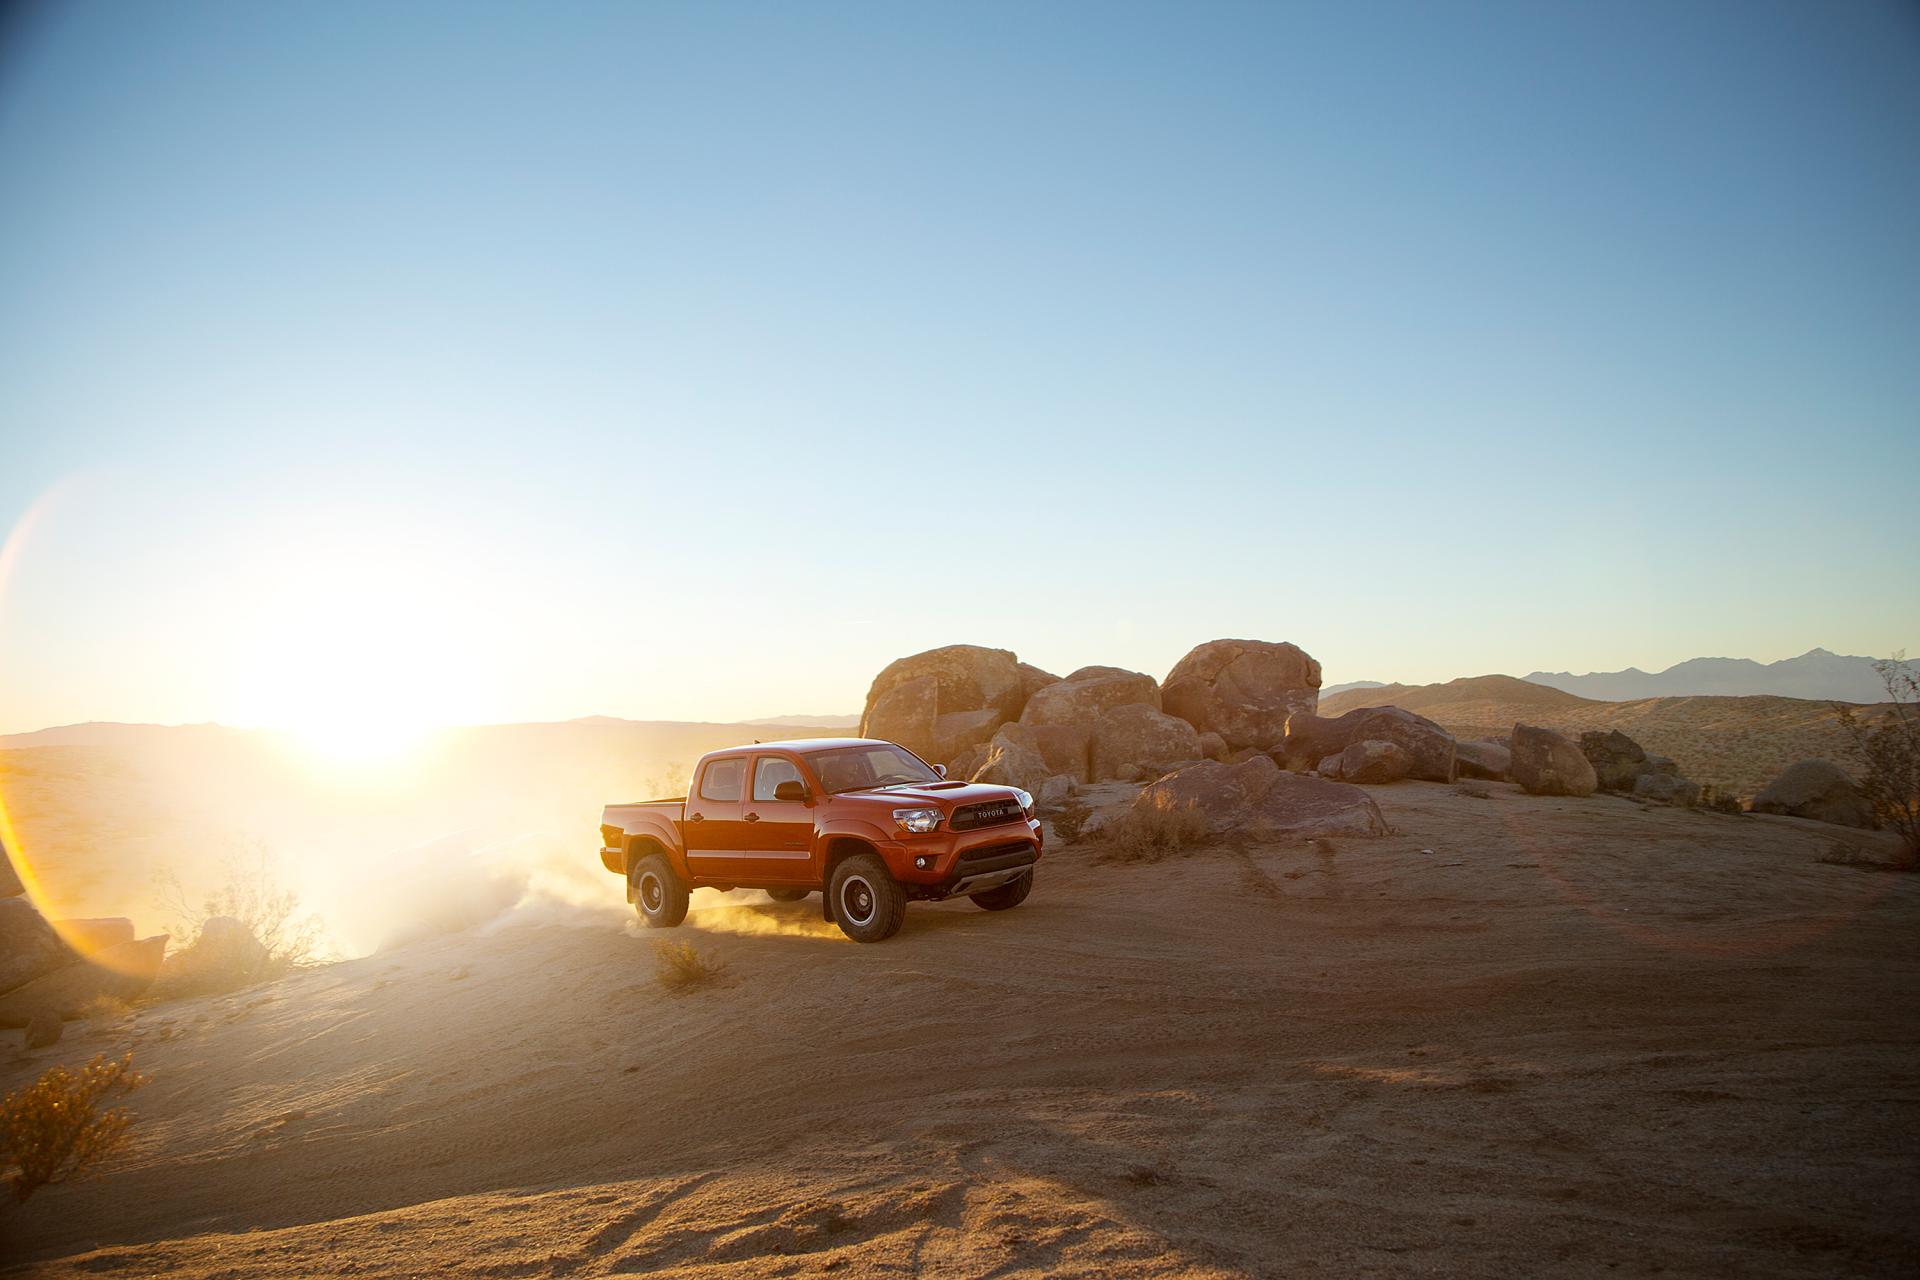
<point x="1026" y="800"/>
<point x="917" y="821"/>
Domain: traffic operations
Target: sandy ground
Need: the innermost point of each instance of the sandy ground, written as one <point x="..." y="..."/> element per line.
<point x="1524" y="1037"/>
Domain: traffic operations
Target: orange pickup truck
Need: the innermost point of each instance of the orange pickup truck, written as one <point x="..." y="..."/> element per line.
<point x="868" y="822"/>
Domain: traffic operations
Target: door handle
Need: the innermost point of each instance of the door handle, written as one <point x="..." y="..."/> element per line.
<point x="694" y="817"/>
<point x="752" y="817"/>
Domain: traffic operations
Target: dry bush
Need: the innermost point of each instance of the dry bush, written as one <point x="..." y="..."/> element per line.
<point x="1159" y="827"/>
<point x="1889" y="745"/>
<point x="680" y="969"/>
<point x="1842" y="854"/>
<point x="54" y="1130"/>
<point x="253" y="894"/>
<point x="1070" y="820"/>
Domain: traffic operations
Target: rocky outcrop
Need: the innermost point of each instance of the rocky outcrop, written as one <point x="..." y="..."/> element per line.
<point x="1667" y="788"/>
<point x="1032" y="680"/>
<point x="1816" y="789"/>
<point x="1012" y="760"/>
<point x="29" y="946"/>
<point x="1259" y="799"/>
<point x="1247" y="691"/>
<point x="1490" y="761"/>
<point x="121" y="973"/>
<point x="1213" y="746"/>
<point x="932" y="703"/>
<point x="1081" y="698"/>
<point x="1617" y="760"/>
<point x="1370" y="760"/>
<point x="1546" y="764"/>
<point x="1136" y="734"/>
<point x="1313" y="738"/>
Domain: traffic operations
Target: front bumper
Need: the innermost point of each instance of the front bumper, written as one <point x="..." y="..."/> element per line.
<point x="950" y="864"/>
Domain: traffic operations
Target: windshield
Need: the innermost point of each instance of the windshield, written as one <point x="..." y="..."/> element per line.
<point x="859" y="768"/>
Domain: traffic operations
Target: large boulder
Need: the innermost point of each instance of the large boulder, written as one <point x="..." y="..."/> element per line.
<point x="1067" y="748"/>
<point x="1370" y="760"/>
<point x="956" y="731"/>
<point x="29" y="946"/>
<point x="1258" y="798"/>
<point x="120" y="973"/>
<point x="1081" y="698"/>
<point x="910" y="697"/>
<point x="1136" y="734"/>
<point x="1617" y="760"/>
<point x="1546" y="764"/>
<point x="225" y="957"/>
<point x="1013" y="761"/>
<point x="1312" y="738"/>
<point x="91" y="936"/>
<point x="1667" y="788"/>
<point x="1032" y="680"/>
<point x="1816" y="789"/>
<point x="1244" y="690"/>
<point x="10" y="886"/>
<point x="1488" y="760"/>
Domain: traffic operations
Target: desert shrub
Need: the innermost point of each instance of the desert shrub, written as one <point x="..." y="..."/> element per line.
<point x="252" y="893"/>
<point x="679" y="968"/>
<point x="1841" y="853"/>
<point x="1158" y="827"/>
<point x="1718" y="799"/>
<point x="1889" y="748"/>
<point x="54" y="1129"/>
<point x="1069" y="820"/>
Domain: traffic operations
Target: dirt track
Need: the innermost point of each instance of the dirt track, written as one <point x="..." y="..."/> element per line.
<point x="1576" y="1037"/>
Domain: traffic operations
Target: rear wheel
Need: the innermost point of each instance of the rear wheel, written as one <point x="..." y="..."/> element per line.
<point x="1010" y="894"/>
<point x="659" y="896"/>
<point x="788" y="895"/>
<point x="867" y="902"/>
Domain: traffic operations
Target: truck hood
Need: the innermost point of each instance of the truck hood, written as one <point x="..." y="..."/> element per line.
<point x="943" y="794"/>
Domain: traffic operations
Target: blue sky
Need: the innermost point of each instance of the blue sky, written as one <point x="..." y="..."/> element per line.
<point x="514" y="361"/>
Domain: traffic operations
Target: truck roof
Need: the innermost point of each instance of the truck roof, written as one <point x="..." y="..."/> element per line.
<point x="801" y="745"/>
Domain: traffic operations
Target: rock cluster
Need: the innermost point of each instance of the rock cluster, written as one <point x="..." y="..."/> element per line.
<point x="1257" y="797"/>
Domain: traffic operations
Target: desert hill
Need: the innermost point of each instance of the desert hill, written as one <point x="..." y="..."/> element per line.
<point x="1741" y="743"/>
<point x="1520" y="1036"/>
<point x="1816" y="674"/>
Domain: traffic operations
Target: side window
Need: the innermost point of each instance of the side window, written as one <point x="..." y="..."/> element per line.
<point x="769" y="772"/>
<point x="722" y="779"/>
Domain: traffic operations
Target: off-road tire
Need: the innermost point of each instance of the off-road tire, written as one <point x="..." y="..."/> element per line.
<point x="868" y="903"/>
<point x="1005" y="896"/>
<point x="659" y="896"/>
<point x="788" y="895"/>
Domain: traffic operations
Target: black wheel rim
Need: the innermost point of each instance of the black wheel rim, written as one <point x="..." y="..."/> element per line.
<point x="856" y="900"/>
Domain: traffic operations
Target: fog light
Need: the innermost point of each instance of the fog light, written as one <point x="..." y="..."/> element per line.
<point x="920" y="863"/>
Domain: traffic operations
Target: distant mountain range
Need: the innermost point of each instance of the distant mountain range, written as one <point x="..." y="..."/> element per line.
<point x="1816" y="674"/>
<point x="1350" y="685"/>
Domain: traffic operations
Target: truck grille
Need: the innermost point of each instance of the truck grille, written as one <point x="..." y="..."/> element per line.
<point x="988" y="813"/>
<point x="995" y="857"/>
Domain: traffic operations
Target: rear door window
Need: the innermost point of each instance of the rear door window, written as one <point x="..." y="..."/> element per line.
<point x="722" y="778"/>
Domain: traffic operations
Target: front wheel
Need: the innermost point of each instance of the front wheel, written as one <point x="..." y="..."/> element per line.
<point x="1010" y="894"/>
<point x="788" y="895"/>
<point x="659" y="896"/>
<point x="867" y="901"/>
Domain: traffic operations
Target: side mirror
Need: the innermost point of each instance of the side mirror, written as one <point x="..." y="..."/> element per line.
<point x="790" y="790"/>
<point x="940" y="769"/>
